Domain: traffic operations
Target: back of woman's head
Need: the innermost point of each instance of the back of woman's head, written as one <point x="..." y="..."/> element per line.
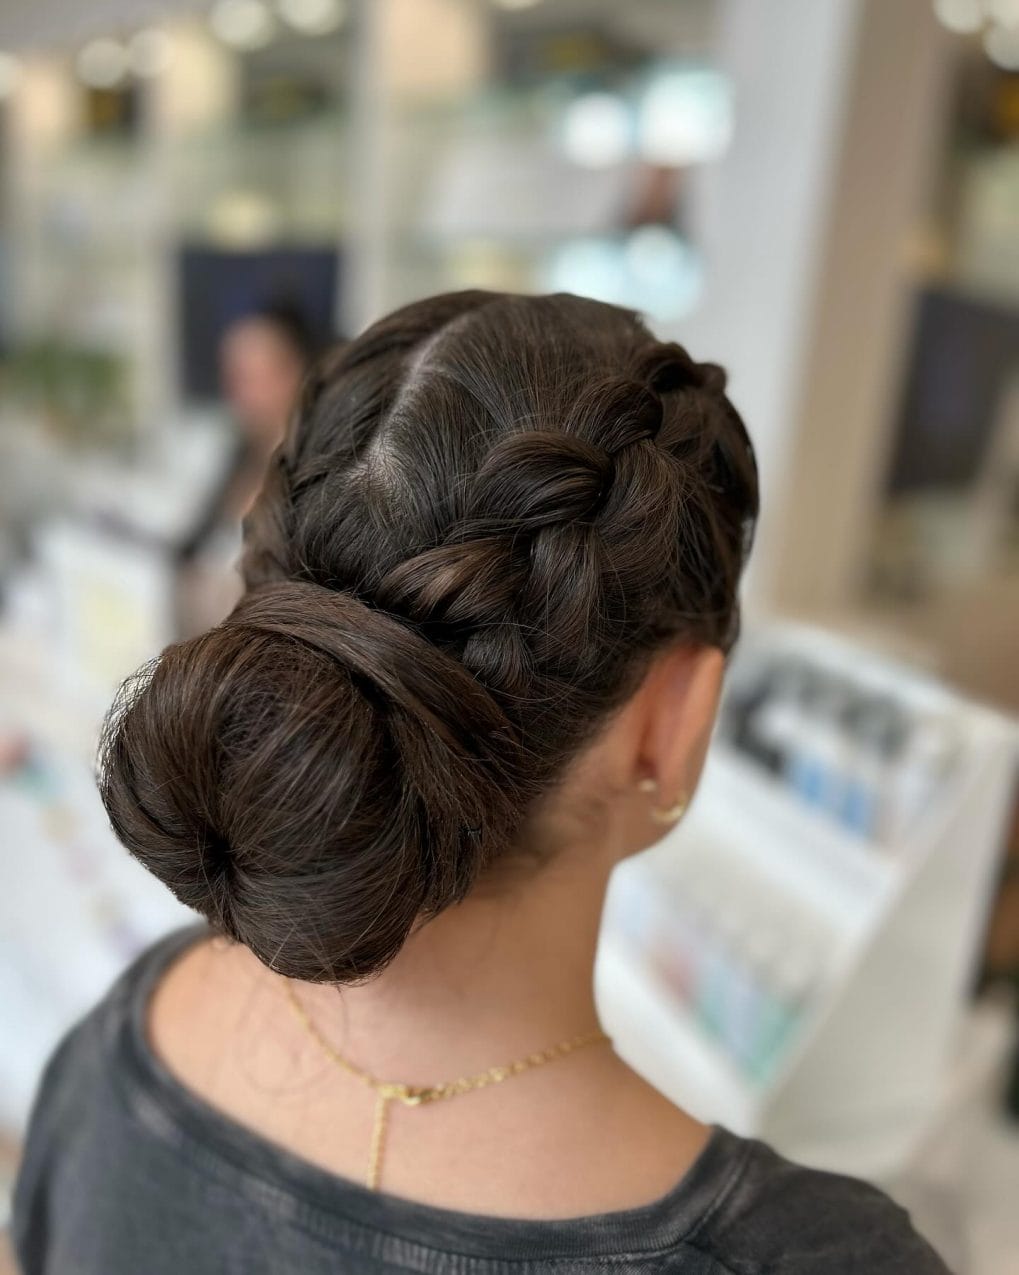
<point x="490" y="512"/>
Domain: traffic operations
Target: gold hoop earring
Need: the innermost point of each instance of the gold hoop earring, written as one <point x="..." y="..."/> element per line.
<point x="670" y="816"/>
<point x="663" y="816"/>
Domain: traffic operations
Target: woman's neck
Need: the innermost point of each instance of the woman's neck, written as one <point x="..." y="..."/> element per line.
<point x="486" y="983"/>
<point x="505" y="973"/>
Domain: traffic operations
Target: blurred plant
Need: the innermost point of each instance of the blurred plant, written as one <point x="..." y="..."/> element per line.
<point x="79" y="393"/>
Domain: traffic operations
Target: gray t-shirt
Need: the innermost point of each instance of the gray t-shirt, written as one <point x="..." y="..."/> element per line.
<point x="126" y="1172"/>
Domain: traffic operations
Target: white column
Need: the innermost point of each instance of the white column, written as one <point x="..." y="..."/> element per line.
<point x="761" y="217"/>
<point x="859" y="318"/>
<point x="803" y="225"/>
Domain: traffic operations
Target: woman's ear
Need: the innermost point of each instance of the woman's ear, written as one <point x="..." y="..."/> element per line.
<point x="680" y="694"/>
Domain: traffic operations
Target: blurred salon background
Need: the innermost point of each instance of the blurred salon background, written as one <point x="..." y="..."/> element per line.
<point x="823" y="195"/>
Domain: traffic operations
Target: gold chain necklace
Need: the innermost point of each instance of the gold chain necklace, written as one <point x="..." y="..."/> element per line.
<point x="387" y="1092"/>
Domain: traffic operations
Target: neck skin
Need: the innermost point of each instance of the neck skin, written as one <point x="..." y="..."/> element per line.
<point x="505" y="973"/>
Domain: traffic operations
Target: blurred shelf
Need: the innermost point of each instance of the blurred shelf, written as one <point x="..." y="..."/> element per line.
<point x="660" y="1039"/>
<point x="840" y="877"/>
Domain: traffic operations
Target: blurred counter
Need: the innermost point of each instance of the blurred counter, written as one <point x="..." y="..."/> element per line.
<point x="74" y="907"/>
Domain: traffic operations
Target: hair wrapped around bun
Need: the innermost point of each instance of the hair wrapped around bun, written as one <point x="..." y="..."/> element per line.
<point x="289" y="773"/>
<point x="489" y="513"/>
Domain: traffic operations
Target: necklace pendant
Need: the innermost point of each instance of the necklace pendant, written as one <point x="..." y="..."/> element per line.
<point x="407" y="1095"/>
<point x="415" y="1095"/>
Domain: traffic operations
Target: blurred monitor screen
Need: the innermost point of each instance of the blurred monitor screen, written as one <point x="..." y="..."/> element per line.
<point x="964" y="352"/>
<point x="216" y="288"/>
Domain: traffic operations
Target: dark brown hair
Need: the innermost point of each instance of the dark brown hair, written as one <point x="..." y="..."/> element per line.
<point x="490" y="512"/>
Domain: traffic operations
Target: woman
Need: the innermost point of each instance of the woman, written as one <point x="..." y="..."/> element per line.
<point x="263" y="358"/>
<point x="491" y="581"/>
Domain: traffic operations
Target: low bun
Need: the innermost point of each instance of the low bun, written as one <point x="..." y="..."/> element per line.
<point x="312" y="776"/>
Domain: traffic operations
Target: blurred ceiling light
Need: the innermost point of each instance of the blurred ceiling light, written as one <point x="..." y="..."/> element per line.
<point x="246" y="24"/>
<point x="597" y="130"/>
<point x="665" y="273"/>
<point x="685" y="116"/>
<point x="589" y="266"/>
<point x="1001" y="45"/>
<point x="10" y="73"/>
<point x="313" y="17"/>
<point x="102" y="64"/>
<point x="149" y="52"/>
<point x="244" y="219"/>
<point x="652" y="270"/>
<point x="1004" y="12"/>
<point x="962" y="16"/>
<point x="515" y="4"/>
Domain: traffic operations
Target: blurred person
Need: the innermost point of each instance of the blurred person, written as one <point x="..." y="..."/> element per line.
<point x="491" y="582"/>
<point x="263" y="358"/>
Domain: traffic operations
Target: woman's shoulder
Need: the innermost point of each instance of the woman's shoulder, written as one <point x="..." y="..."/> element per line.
<point x="118" y="1018"/>
<point x="780" y="1217"/>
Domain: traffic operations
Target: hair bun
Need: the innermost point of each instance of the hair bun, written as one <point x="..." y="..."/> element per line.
<point x="312" y="776"/>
